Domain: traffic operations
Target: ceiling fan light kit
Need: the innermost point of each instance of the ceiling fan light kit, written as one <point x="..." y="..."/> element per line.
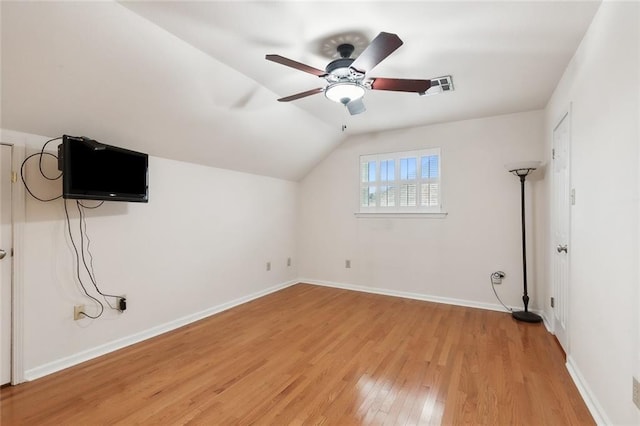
<point x="346" y="76"/>
<point x="344" y="92"/>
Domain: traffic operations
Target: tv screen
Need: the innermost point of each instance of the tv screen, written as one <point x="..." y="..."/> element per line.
<point x="95" y="171"/>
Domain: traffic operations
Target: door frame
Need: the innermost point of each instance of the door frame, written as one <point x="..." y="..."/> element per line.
<point x="565" y="114"/>
<point x="18" y="210"/>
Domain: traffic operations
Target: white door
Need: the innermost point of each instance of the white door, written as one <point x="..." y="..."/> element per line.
<point x="561" y="215"/>
<point x="5" y="263"/>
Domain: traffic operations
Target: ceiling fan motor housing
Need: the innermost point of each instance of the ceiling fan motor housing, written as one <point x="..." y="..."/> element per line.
<point x="339" y="68"/>
<point x="345" y="50"/>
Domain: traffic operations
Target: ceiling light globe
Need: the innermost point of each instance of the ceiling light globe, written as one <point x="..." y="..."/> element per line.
<point x="343" y="93"/>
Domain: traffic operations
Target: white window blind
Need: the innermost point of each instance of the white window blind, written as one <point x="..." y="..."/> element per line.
<point x="401" y="182"/>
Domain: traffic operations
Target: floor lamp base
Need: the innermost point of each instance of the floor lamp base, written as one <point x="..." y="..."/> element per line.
<point x="526" y="316"/>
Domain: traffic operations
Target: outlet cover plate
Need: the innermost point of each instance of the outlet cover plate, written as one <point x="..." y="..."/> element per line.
<point x="77" y="312"/>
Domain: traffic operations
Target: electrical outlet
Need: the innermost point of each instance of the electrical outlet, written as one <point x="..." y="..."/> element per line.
<point x="288" y="261"/>
<point x="496" y="277"/>
<point x="636" y="392"/>
<point x="77" y="312"/>
<point x="347" y="263"/>
<point x="121" y="303"/>
<point x="268" y="266"/>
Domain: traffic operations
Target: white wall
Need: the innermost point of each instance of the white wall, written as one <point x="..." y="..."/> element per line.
<point x="442" y="258"/>
<point x="201" y="242"/>
<point x="602" y="85"/>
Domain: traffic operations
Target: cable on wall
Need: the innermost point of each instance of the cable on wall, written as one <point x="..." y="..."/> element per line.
<point x="90" y="270"/>
<point x="493" y="287"/>
<point x="75" y="249"/>
<point x="40" y="160"/>
<point x="40" y="155"/>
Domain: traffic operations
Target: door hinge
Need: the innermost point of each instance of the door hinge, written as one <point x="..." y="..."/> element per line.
<point x="553" y="302"/>
<point x="14" y="177"/>
<point x="553" y="154"/>
<point x="573" y="196"/>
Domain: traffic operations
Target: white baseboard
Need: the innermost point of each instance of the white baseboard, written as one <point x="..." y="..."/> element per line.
<point x="66" y="362"/>
<point x="596" y="410"/>
<point x="548" y="324"/>
<point x="407" y="295"/>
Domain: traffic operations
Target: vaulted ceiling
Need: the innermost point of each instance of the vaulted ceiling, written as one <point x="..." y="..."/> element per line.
<point x="189" y="80"/>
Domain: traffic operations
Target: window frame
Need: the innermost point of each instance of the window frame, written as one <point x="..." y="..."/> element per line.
<point x="416" y="210"/>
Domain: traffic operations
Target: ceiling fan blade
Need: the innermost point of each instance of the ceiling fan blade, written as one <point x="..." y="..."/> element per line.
<point x="400" y="85"/>
<point x="302" y="95"/>
<point x="297" y="65"/>
<point x="380" y="47"/>
<point x="356" y="107"/>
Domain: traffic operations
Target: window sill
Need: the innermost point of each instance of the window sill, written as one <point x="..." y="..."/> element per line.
<point x="397" y="215"/>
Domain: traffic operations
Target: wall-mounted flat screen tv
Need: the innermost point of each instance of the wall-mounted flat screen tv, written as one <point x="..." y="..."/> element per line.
<point x="95" y="171"/>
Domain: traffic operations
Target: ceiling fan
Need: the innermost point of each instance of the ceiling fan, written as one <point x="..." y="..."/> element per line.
<point x="347" y="77"/>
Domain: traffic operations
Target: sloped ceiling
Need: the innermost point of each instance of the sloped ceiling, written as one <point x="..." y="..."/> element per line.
<point x="188" y="80"/>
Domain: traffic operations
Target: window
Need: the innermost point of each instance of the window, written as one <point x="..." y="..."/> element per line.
<point x="401" y="182"/>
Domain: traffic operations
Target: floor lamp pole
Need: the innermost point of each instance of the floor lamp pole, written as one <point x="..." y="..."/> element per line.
<point x="524" y="315"/>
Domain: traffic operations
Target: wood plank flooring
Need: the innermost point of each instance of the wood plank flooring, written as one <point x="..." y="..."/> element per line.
<point x="315" y="355"/>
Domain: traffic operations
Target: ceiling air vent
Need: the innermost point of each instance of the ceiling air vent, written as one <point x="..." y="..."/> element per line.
<point x="440" y="85"/>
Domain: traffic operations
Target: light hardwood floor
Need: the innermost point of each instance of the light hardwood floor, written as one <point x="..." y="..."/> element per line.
<point x="315" y="355"/>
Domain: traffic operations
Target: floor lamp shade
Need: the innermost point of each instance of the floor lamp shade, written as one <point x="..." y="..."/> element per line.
<point x="521" y="170"/>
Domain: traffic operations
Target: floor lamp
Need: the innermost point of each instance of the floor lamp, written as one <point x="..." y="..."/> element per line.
<point x="522" y="170"/>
